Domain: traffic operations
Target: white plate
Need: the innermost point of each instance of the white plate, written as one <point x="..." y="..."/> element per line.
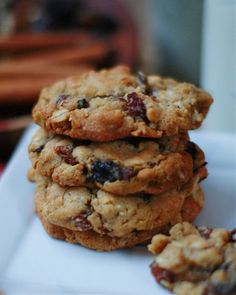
<point x="31" y="262"/>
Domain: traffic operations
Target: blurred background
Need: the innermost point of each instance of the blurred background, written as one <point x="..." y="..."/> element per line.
<point x="42" y="41"/>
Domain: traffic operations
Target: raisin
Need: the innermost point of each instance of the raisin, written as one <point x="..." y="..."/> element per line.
<point x="233" y="236"/>
<point x="61" y="98"/>
<point x="161" y="273"/>
<point x="65" y="152"/>
<point x="81" y="221"/>
<point x="82" y="104"/>
<point x="135" y="106"/>
<point x="205" y="232"/>
<point x="127" y="173"/>
<point x="39" y="149"/>
<point x="103" y="171"/>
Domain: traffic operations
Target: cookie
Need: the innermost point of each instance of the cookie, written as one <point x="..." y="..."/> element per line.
<point x="102" y="242"/>
<point x="195" y="260"/>
<point x="82" y="209"/>
<point x="113" y="104"/>
<point x="121" y="167"/>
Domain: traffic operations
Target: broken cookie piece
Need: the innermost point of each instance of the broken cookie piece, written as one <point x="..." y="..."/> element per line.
<point x="195" y="260"/>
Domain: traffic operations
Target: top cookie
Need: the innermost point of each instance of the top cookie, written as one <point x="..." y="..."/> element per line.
<point x="113" y="104"/>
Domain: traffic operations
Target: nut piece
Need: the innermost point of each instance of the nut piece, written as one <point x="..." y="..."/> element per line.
<point x="158" y="243"/>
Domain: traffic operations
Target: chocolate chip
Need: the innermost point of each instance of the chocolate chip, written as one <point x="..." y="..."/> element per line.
<point x="205" y="232"/>
<point x="103" y="171"/>
<point x="161" y="273"/>
<point x="61" y="98"/>
<point x="65" y="152"/>
<point x="81" y="221"/>
<point x="233" y="235"/>
<point x="135" y="106"/>
<point x="82" y="104"/>
<point x="39" y="149"/>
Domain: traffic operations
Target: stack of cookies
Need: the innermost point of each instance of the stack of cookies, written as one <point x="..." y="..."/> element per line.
<point x="112" y="161"/>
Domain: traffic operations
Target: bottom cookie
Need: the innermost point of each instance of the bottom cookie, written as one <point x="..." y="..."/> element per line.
<point x="94" y="240"/>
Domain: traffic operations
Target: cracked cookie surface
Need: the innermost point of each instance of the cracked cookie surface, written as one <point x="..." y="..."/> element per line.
<point x="113" y="104"/>
<point x="195" y="260"/>
<point x="82" y="209"/>
<point x="121" y="167"/>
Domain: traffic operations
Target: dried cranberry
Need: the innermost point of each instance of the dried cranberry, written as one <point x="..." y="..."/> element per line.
<point x="161" y="273"/>
<point x="103" y="171"/>
<point x="127" y="173"/>
<point x="81" y="221"/>
<point x="135" y="106"/>
<point x="61" y="98"/>
<point x="65" y="152"/>
<point x="39" y="149"/>
<point x="233" y="236"/>
<point x="82" y="104"/>
<point x="205" y="232"/>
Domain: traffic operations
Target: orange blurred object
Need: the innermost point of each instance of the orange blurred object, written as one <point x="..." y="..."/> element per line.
<point x="38" y="53"/>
